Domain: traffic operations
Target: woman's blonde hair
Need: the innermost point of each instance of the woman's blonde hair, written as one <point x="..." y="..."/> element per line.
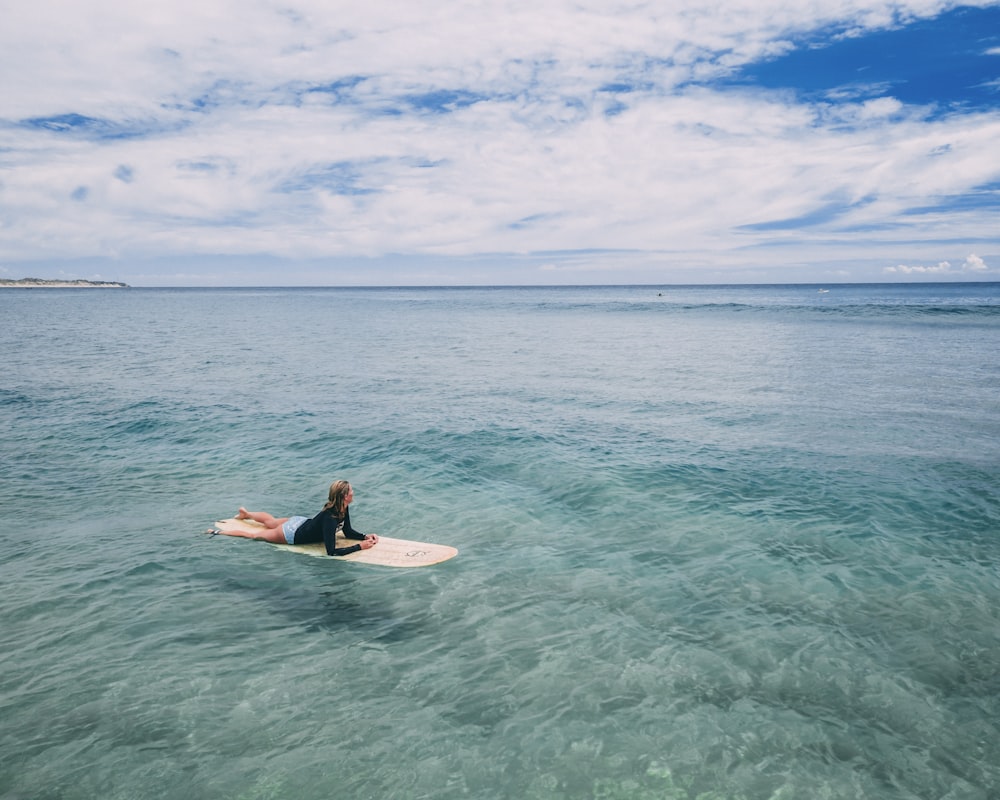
<point x="338" y="494"/>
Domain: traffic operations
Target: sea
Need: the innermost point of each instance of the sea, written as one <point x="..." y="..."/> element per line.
<point x="715" y="543"/>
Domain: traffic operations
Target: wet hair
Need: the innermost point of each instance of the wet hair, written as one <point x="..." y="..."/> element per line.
<point x="338" y="495"/>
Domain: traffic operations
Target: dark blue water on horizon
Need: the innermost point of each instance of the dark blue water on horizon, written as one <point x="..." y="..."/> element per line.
<point x="716" y="543"/>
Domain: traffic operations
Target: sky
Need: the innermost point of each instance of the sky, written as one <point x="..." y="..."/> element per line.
<point x="491" y="142"/>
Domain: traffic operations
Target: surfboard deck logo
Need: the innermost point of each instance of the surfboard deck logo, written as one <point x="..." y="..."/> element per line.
<point x="389" y="552"/>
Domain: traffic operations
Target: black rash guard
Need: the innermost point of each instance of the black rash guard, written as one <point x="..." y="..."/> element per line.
<point x="323" y="528"/>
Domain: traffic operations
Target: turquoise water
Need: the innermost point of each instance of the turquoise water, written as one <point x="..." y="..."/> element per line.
<point x="731" y="543"/>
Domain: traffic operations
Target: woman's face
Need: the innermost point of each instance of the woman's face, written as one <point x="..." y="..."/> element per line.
<point x="350" y="496"/>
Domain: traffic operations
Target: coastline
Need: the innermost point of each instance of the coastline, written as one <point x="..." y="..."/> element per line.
<point x="43" y="283"/>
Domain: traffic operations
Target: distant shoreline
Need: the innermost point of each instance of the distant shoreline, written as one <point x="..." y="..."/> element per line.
<point x="43" y="283"/>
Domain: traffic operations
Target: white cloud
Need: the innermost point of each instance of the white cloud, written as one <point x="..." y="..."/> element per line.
<point x="318" y="130"/>
<point x="938" y="269"/>
<point x="972" y="263"/>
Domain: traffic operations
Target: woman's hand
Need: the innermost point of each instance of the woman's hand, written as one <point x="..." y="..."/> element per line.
<point x="369" y="541"/>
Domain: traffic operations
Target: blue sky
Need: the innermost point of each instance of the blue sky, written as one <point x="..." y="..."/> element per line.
<point x="523" y="142"/>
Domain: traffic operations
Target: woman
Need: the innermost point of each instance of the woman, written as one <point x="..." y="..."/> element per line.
<point x="333" y="521"/>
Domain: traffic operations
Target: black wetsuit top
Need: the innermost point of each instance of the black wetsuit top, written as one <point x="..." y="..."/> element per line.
<point x="323" y="528"/>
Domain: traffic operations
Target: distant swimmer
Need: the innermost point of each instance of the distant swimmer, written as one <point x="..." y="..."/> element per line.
<point x="333" y="521"/>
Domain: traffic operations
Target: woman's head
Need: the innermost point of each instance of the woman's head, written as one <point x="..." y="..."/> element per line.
<point x="340" y="497"/>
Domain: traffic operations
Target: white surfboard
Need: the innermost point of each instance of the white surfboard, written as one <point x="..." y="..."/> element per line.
<point x="388" y="552"/>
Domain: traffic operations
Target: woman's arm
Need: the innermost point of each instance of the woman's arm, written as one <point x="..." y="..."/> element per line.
<point x="349" y="532"/>
<point x="330" y="525"/>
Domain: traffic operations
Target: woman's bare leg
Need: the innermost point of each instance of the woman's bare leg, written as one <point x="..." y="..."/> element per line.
<point x="274" y="535"/>
<point x="265" y="519"/>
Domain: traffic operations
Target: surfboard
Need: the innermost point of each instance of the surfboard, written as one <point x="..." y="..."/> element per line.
<point x="389" y="552"/>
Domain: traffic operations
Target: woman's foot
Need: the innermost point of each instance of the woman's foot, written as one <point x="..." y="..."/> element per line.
<point x="242" y="513"/>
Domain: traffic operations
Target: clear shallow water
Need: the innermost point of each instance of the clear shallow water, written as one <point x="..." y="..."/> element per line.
<point x="716" y="542"/>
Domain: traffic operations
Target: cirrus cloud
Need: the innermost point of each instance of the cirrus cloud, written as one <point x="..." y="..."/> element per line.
<point x="515" y="140"/>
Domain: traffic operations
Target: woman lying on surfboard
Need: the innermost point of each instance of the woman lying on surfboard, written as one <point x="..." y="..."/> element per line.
<point x="334" y="519"/>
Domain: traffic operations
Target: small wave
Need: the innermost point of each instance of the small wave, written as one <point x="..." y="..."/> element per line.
<point x="863" y="311"/>
<point x="13" y="398"/>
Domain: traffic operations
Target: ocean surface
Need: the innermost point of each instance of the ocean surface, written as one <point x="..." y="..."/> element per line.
<point x="716" y="543"/>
